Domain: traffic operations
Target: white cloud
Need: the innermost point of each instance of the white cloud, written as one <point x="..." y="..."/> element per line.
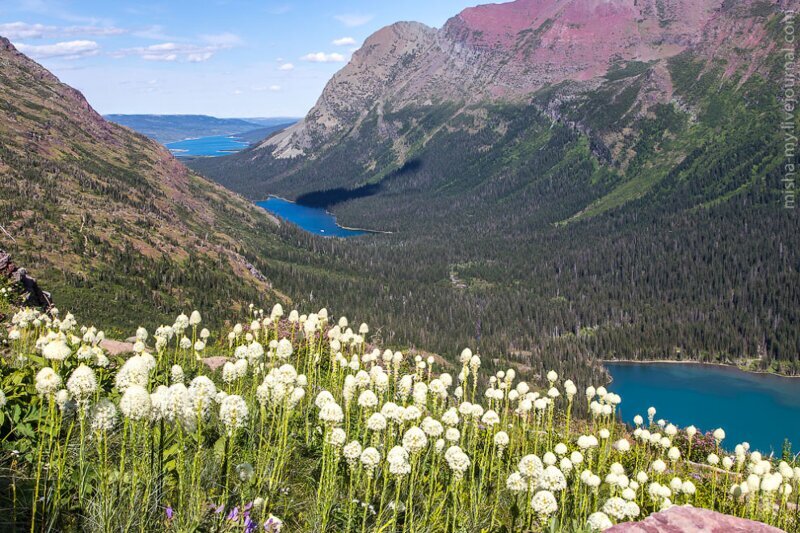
<point x="223" y="40"/>
<point x="344" y="41"/>
<point x="264" y="88"/>
<point x="21" y="30"/>
<point x="322" y="57"/>
<point x="171" y="51"/>
<point x="199" y="57"/>
<point x="24" y="30"/>
<point x="155" y="33"/>
<point x="351" y="20"/>
<point x="286" y="67"/>
<point x="64" y="50"/>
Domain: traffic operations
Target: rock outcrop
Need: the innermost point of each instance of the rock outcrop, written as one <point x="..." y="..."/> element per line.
<point x="687" y="519"/>
<point x="32" y="294"/>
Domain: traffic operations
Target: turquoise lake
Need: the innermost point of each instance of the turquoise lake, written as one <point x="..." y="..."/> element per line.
<point x="214" y="146"/>
<point x="758" y="408"/>
<point x="312" y="219"/>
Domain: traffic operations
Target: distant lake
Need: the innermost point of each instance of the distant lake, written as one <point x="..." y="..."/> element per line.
<point x="761" y="409"/>
<point x="312" y="219"/>
<point x="213" y="146"/>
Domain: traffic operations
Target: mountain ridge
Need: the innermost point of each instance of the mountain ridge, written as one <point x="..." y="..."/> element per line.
<point x="501" y="52"/>
<point x="105" y="215"/>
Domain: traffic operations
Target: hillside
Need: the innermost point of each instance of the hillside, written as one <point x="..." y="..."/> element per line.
<point x="603" y="179"/>
<point x="108" y="220"/>
<point x="170" y="128"/>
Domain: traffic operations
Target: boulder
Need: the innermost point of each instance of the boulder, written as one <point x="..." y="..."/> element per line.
<point x="32" y="294"/>
<point x="688" y="519"/>
<point x="116" y="347"/>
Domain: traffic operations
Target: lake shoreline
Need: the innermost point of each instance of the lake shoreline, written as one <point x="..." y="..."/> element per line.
<point x="382" y="232"/>
<point x="693" y="362"/>
<point x="710" y="395"/>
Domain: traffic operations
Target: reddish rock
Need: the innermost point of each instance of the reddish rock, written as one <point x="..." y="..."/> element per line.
<point x="687" y="519"/>
<point x="214" y="362"/>
<point x="510" y="50"/>
<point x="116" y="347"/>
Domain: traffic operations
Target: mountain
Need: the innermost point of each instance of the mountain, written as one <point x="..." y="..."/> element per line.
<point x="258" y="135"/>
<point x="170" y="128"/>
<point x="116" y="228"/>
<point x="553" y="56"/>
<point x="566" y="178"/>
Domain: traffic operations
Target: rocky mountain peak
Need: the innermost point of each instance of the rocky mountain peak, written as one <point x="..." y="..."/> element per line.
<point x="506" y="52"/>
<point x="5" y="44"/>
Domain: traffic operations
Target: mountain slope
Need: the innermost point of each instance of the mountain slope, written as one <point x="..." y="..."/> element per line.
<point x="110" y="222"/>
<point x="598" y="66"/>
<point x="612" y="188"/>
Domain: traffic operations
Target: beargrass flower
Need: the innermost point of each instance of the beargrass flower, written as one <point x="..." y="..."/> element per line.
<point x="56" y="350"/>
<point x="47" y="381"/>
<point x="414" y="440"/>
<point x="599" y="521"/>
<point x="457" y="460"/>
<point x="336" y="438"/>
<point x="552" y="479"/>
<point x="135" y="403"/>
<point x="82" y="383"/>
<point x="352" y="453"/>
<point x="104" y="415"/>
<point x="397" y="458"/>
<point x="233" y="413"/>
<point x="370" y="459"/>
<point x="544" y="503"/>
<point x="531" y="467"/>
<point x="501" y="440"/>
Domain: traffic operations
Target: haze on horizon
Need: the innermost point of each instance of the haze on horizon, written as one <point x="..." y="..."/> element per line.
<point x="228" y="58"/>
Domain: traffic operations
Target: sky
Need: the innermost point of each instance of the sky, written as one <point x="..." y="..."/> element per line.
<point x="226" y="58"/>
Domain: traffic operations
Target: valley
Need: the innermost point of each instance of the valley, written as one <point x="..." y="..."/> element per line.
<point x="633" y="215"/>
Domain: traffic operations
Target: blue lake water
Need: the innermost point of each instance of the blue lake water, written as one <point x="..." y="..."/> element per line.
<point x="312" y="219"/>
<point x="758" y="408"/>
<point x="214" y="146"/>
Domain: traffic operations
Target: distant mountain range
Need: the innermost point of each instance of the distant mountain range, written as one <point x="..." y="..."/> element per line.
<point x="562" y="177"/>
<point x="170" y="128"/>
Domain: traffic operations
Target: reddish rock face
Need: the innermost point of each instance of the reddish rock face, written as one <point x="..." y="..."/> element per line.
<point x="508" y="51"/>
<point x="686" y="519"/>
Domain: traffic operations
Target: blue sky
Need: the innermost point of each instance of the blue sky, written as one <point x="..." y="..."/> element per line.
<point x="228" y="58"/>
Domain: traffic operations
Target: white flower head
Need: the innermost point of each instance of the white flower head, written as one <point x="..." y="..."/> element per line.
<point x="47" y="381"/>
<point x="544" y="503"/>
<point x="82" y="383"/>
<point x="233" y="413"/>
<point x="135" y="403"/>
<point x="104" y="415"/>
<point x="56" y="350"/>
